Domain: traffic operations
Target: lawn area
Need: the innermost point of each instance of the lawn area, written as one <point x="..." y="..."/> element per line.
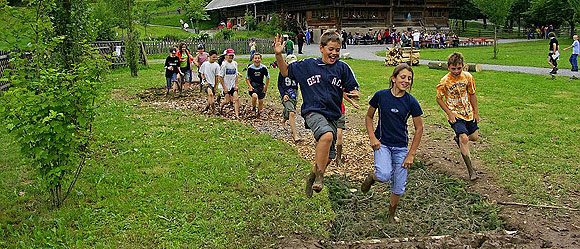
<point x="164" y="178"/>
<point x="174" y="178"/>
<point x="529" y="122"/>
<point x="532" y="54"/>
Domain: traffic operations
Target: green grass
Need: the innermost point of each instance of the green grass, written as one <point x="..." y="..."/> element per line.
<point x="169" y="20"/>
<point x="159" y="32"/>
<point x="529" y="122"/>
<point x="531" y="54"/>
<point x="164" y="178"/>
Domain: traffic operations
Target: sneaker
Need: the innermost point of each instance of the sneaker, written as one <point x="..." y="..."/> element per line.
<point x="366" y="185"/>
<point x="309" y="181"/>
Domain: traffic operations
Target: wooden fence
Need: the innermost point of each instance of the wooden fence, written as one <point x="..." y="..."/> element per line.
<point x="4" y="64"/>
<point x="239" y="45"/>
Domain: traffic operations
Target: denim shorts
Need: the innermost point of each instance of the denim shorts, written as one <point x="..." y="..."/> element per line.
<point x="320" y="126"/>
<point x="388" y="167"/>
<point x="464" y="127"/>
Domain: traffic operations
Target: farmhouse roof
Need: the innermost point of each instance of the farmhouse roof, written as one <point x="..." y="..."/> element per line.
<point x="222" y="4"/>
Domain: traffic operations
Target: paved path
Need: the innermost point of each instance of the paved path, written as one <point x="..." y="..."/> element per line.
<point x="368" y="52"/>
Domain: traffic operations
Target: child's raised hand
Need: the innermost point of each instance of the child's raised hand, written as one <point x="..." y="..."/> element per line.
<point x="277" y="45"/>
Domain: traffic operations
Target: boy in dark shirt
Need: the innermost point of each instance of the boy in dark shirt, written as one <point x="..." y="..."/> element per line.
<point x="321" y="82"/>
<point x="288" y="93"/>
<point x="171" y="68"/>
<point x="553" y="53"/>
<point x="255" y="80"/>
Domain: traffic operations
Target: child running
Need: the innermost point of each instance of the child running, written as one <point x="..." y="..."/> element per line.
<point x="171" y="69"/>
<point x="460" y="106"/>
<point x="321" y="82"/>
<point x="574" y="57"/>
<point x="185" y="60"/>
<point x="288" y="93"/>
<point x="229" y="82"/>
<point x="210" y="72"/>
<point x="390" y="139"/>
<point x="255" y="80"/>
<point x="200" y="58"/>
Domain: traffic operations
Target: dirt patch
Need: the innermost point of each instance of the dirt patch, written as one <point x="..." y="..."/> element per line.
<point x="536" y="228"/>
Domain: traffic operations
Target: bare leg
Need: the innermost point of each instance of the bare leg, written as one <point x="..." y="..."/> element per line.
<point x="339" y="140"/>
<point x="260" y="106"/>
<point x="237" y="104"/>
<point x="293" y="126"/>
<point x="394" y="201"/>
<point x="254" y="101"/>
<point x="464" y="149"/>
<point x="321" y="157"/>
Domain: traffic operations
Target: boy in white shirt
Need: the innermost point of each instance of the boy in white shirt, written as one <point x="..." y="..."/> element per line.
<point x="229" y="82"/>
<point x="210" y="71"/>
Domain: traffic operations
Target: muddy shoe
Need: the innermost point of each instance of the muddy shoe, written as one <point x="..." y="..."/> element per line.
<point x="473" y="176"/>
<point x="317" y="186"/>
<point x="366" y="185"/>
<point x="309" y="181"/>
<point x="393" y="219"/>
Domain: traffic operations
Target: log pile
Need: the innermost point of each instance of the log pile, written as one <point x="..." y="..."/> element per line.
<point x="396" y="56"/>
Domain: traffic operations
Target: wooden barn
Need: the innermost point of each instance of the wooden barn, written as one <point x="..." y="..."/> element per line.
<point x="341" y="14"/>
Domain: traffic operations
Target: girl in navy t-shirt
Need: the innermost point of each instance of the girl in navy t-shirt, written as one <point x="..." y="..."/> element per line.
<point x="390" y="138"/>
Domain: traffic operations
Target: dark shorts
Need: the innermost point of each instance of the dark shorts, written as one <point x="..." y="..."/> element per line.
<point x="341" y="122"/>
<point x="289" y="106"/>
<point x="259" y="92"/>
<point x="320" y="126"/>
<point x="464" y="127"/>
<point x="232" y="91"/>
<point x="207" y="87"/>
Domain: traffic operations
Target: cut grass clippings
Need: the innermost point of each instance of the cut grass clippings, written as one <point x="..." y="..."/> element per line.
<point x="433" y="204"/>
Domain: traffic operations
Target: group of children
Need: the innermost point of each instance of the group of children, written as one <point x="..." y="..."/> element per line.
<point x="324" y="82"/>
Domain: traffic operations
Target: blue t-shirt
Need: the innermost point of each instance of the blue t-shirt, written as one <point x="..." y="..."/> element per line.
<point x="285" y="83"/>
<point x="256" y="75"/>
<point x="575" y="47"/>
<point x="321" y="85"/>
<point x="393" y="115"/>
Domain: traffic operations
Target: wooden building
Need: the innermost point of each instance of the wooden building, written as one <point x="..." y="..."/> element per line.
<point x="341" y="14"/>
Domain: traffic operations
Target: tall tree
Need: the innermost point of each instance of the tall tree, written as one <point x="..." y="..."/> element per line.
<point x="553" y="12"/>
<point x="497" y="12"/>
<point x="145" y="14"/>
<point x="195" y="11"/>
<point x="464" y="10"/>
<point x="125" y="11"/>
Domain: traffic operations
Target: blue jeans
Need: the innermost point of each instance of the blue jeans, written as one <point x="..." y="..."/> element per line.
<point x="388" y="167"/>
<point x="170" y="80"/>
<point x="574" y="62"/>
<point x="252" y="52"/>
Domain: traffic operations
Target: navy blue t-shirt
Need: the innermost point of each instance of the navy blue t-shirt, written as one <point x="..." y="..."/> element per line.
<point x="256" y="75"/>
<point x="285" y="83"/>
<point x="321" y="85"/>
<point x="393" y="115"/>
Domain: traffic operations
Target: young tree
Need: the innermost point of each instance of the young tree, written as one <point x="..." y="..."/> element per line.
<point x="125" y="11"/>
<point x="50" y="107"/>
<point x="497" y="12"/>
<point x="251" y="22"/>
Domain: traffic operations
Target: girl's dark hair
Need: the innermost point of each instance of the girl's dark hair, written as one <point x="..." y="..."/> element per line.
<point x="182" y="44"/>
<point x="400" y="68"/>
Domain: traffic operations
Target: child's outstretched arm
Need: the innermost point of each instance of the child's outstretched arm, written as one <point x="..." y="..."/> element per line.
<point x="278" y="49"/>
<point x="345" y="96"/>
<point x="410" y="158"/>
<point x="473" y="102"/>
<point x="374" y="142"/>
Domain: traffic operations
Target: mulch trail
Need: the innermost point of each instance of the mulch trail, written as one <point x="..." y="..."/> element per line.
<point x="536" y="228"/>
